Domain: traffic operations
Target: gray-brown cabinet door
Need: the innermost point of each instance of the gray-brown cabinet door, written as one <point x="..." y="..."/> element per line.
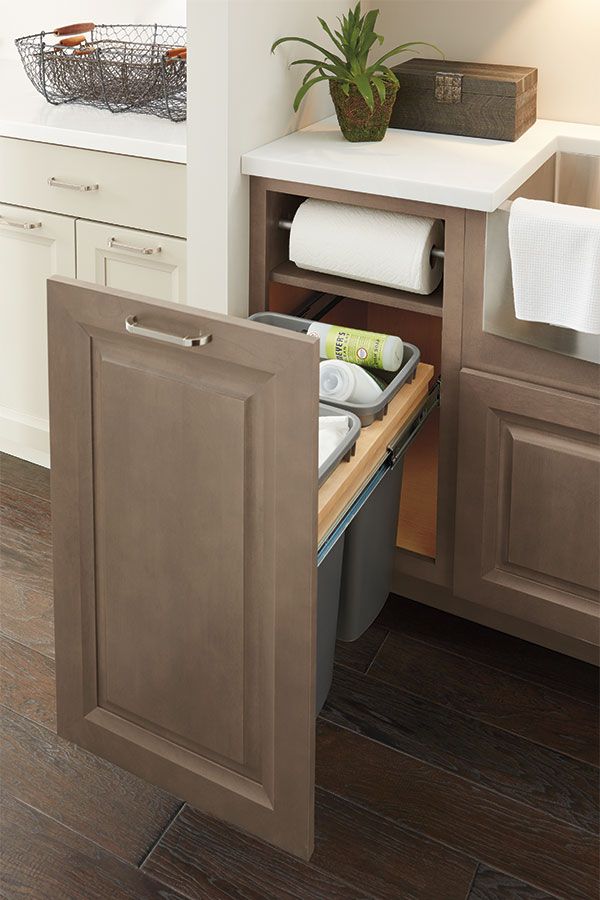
<point x="528" y="503"/>
<point x="184" y="504"/>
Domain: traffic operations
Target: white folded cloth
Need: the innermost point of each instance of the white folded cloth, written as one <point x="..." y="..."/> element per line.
<point x="332" y="431"/>
<point x="555" y="260"/>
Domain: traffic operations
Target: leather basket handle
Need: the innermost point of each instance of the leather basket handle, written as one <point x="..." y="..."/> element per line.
<point x="65" y="30"/>
<point x="71" y="41"/>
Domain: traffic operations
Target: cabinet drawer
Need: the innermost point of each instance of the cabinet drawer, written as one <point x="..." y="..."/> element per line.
<point x="128" y="260"/>
<point x="185" y="473"/>
<point x="140" y="193"/>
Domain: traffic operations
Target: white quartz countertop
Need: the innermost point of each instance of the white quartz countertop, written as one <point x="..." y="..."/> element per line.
<point x="437" y="168"/>
<point x="26" y="114"/>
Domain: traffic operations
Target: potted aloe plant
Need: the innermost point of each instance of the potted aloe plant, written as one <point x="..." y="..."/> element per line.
<point x="363" y="93"/>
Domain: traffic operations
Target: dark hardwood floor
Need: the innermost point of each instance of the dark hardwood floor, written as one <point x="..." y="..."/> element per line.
<point x="453" y="763"/>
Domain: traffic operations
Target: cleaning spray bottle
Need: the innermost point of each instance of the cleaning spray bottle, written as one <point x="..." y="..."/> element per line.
<point x="363" y="348"/>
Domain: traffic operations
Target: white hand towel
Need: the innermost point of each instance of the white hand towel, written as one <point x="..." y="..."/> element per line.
<point x="555" y="260"/>
<point x="332" y="431"/>
<point x="387" y="248"/>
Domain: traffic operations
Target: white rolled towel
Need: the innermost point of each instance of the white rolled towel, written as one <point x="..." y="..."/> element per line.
<point x="386" y="248"/>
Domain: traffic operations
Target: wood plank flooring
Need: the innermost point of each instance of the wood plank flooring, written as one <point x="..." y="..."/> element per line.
<point x="43" y="859"/>
<point x="453" y="763"/>
<point x="535" y="712"/>
<point x="492" y="885"/>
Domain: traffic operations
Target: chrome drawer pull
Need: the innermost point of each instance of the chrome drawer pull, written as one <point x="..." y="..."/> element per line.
<point x="113" y="243"/>
<point x="14" y="223"/>
<point x="199" y="340"/>
<point x="72" y="185"/>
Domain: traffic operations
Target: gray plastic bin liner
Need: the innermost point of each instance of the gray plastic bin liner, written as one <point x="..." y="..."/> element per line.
<point x="366" y="412"/>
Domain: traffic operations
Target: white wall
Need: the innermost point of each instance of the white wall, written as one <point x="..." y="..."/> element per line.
<point x="560" y="37"/>
<point x="21" y="17"/>
<point x="239" y="97"/>
<point x="246" y="99"/>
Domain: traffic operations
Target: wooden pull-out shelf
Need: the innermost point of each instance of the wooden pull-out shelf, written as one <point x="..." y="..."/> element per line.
<point x="350" y="477"/>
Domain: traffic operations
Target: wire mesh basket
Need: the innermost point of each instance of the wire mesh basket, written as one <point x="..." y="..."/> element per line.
<point x="123" y="68"/>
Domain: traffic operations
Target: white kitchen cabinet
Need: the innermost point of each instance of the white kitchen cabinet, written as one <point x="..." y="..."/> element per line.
<point x="102" y="187"/>
<point x="129" y="260"/>
<point x="33" y="246"/>
<point x="112" y="219"/>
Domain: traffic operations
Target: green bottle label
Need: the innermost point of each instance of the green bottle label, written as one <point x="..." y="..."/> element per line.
<point x="365" y="348"/>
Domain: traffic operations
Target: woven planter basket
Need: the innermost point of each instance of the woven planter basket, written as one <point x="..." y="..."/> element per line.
<point x="357" y="121"/>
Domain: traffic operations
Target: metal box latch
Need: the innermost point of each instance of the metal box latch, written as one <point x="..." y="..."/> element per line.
<point x="448" y="87"/>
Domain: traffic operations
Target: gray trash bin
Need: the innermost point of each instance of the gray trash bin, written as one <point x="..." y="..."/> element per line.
<point x="370" y="539"/>
<point x="370" y="546"/>
<point x="329" y="570"/>
<point x="354" y="564"/>
<point x="329" y="579"/>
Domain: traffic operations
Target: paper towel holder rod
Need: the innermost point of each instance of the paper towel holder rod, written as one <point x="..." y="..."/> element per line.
<point x="436" y="252"/>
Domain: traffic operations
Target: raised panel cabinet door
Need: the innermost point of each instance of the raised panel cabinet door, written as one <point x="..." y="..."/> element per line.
<point x="184" y="516"/>
<point x="150" y="264"/>
<point x="528" y="503"/>
<point x="33" y="246"/>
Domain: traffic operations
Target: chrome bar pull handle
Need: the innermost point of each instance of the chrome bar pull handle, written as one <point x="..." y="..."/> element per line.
<point x="198" y="340"/>
<point x="15" y="223"/>
<point x="72" y="185"/>
<point x="113" y="243"/>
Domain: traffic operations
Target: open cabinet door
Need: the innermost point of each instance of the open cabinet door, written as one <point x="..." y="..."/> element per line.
<point x="184" y="516"/>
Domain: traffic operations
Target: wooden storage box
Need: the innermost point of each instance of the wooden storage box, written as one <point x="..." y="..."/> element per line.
<point x="471" y="99"/>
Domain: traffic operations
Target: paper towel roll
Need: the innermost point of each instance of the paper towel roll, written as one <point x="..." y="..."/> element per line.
<point x="386" y="248"/>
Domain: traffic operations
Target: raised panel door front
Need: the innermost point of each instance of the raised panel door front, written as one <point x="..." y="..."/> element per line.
<point x="528" y="503"/>
<point x="138" y="261"/>
<point x="554" y="479"/>
<point x="33" y="246"/>
<point x="184" y="525"/>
